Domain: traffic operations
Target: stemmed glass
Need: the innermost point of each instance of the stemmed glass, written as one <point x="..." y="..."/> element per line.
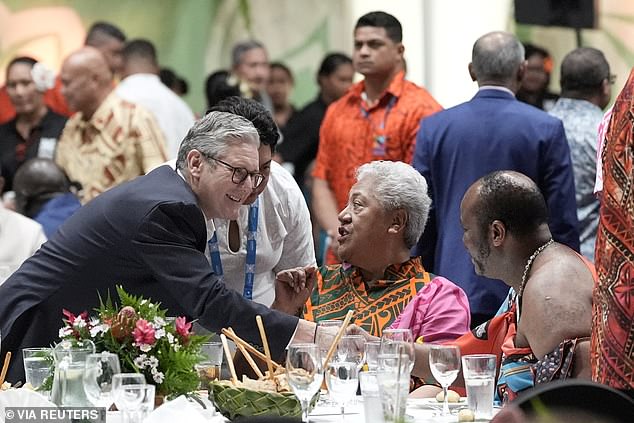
<point x="98" y="376"/>
<point x="129" y="393"/>
<point x="444" y="362"/>
<point x="398" y="341"/>
<point x="342" y="379"/>
<point x="304" y="373"/>
<point x="350" y="349"/>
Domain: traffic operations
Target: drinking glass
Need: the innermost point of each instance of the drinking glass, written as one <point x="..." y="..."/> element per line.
<point x="209" y="369"/>
<point x="444" y="362"/>
<point x="398" y="341"/>
<point x="372" y="404"/>
<point x="350" y="349"/>
<point x="38" y="365"/>
<point x="129" y="392"/>
<point x="147" y="403"/>
<point x="393" y="375"/>
<point x="325" y="335"/>
<point x="342" y="379"/>
<point x="479" y="377"/>
<point x="371" y="354"/>
<point x="97" y="379"/>
<point x="304" y="373"/>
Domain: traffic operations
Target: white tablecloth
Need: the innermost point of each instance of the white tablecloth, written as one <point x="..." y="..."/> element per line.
<point x="416" y="409"/>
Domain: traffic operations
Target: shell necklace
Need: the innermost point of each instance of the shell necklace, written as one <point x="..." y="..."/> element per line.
<point x="529" y="263"/>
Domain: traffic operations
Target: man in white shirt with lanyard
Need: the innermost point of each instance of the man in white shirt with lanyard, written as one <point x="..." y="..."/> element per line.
<point x="273" y="231"/>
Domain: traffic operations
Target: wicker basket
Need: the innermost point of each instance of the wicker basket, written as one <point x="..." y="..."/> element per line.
<point x="235" y="402"/>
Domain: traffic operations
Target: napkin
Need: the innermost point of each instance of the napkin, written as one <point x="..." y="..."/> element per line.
<point x="182" y="409"/>
<point x="21" y="398"/>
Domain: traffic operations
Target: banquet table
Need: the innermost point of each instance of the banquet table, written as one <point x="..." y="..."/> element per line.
<point x="418" y="410"/>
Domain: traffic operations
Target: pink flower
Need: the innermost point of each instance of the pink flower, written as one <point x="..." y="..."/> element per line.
<point x="143" y="333"/>
<point x="71" y="317"/>
<point x="183" y="328"/>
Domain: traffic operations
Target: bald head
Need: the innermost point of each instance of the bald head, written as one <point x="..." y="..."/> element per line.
<point x="89" y="59"/>
<point x="86" y="80"/>
<point x="496" y="59"/>
<point x="510" y="197"/>
<point x="37" y="181"/>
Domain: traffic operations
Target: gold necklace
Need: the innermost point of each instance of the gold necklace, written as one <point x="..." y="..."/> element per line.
<point x="529" y="263"/>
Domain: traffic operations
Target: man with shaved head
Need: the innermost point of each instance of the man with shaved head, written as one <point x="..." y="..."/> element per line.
<point x="492" y="131"/>
<point x="108" y="140"/>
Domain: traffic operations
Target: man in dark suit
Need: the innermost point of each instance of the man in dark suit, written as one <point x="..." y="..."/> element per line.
<point x="492" y="131"/>
<point x="149" y="235"/>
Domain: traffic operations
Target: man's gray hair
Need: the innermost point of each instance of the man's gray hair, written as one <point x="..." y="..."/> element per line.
<point x="397" y="185"/>
<point x="496" y="56"/>
<point x="214" y="133"/>
<point x="241" y="48"/>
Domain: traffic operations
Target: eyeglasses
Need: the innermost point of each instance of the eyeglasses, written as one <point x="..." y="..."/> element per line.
<point x="240" y="174"/>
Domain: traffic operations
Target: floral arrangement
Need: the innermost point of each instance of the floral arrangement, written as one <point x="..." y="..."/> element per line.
<point x="145" y="340"/>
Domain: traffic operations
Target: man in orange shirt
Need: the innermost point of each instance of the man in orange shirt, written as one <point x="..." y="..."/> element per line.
<point x="377" y="119"/>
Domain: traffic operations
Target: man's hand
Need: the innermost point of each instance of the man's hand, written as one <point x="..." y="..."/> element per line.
<point x="293" y="287"/>
<point x="353" y="329"/>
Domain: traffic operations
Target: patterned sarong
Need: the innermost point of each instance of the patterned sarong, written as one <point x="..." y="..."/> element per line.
<point x="612" y="355"/>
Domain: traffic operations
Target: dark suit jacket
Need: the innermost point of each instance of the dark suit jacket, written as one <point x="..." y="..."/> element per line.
<point x="148" y="235"/>
<point x="456" y="147"/>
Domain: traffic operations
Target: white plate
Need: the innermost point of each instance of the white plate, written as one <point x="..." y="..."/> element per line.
<point x="432" y="403"/>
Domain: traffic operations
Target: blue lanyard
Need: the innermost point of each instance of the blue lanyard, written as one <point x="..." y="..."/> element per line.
<point x="380" y="138"/>
<point x="249" y="265"/>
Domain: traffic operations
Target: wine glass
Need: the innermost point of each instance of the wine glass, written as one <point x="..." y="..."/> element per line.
<point x="398" y="341"/>
<point x="97" y="378"/>
<point x="129" y="392"/>
<point x="350" y="349"/>
<point x="342" y="379"/>
<point x="304" y="373"/>
<point x="444" y="362"/>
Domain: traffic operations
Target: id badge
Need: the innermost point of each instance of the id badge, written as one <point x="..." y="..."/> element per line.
<point x="46" y="149"/>
<point x="379" y="146"/>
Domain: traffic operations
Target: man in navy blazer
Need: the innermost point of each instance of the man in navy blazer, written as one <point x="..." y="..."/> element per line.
<point x="149" y="235"/>
<point x="492" y="131"/>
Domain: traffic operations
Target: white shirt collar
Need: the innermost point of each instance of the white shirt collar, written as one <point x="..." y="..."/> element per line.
<point x="496" y="87"/>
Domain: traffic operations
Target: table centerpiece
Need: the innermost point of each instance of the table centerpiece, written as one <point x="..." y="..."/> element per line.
<point x="163" y="349"/>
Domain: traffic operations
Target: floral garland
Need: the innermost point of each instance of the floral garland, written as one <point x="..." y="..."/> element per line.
<point x="145" y="340"/>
